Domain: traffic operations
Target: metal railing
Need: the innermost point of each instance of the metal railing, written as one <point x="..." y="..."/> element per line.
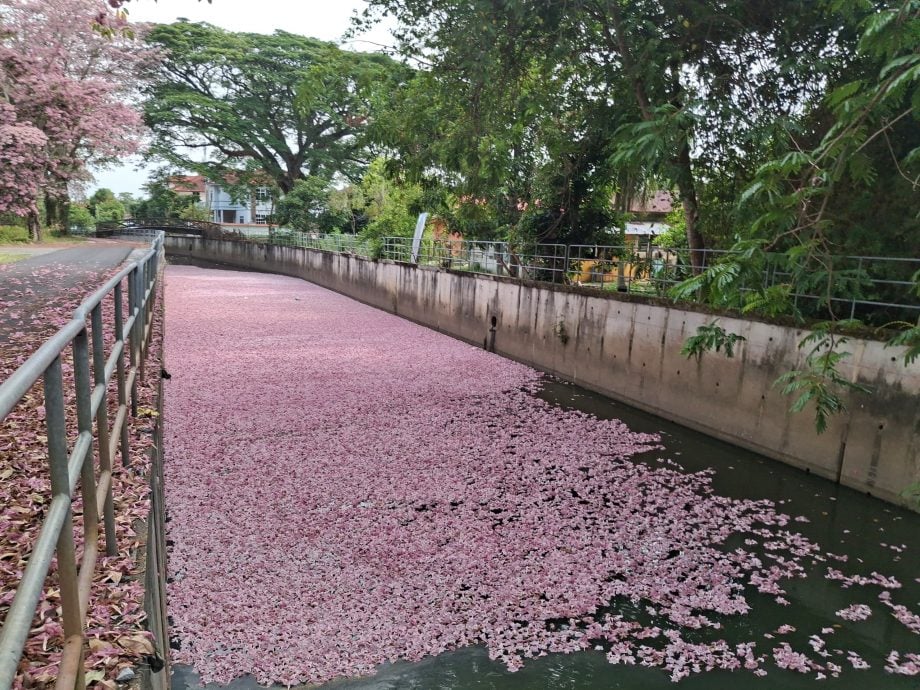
<point x="873" y="288"/>
<point x="93" y="370"/>
<point x="852" y="286"/>
<point x="110" y="228"/>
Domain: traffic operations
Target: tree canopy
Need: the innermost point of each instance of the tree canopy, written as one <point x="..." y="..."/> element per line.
<point x="65" y="101"/>
<point x="545" y="109"/>
<point x="285" y="106"/>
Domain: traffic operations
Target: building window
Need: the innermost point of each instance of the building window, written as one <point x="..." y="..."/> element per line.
<point x="262" y="219"/>
<point x="263" y="194"/>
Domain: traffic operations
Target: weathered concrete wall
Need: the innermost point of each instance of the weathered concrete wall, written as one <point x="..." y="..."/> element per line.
<point x="630" y="351"/>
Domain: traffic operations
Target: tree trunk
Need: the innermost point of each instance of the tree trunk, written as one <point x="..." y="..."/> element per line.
<point x="65" y="216"/>
<point x="682" y="162"/>
<point x="57" y="211"/>
<point x="51" y="210"/>
<point x="688" y="199"/>
<point x="35" y="226"/>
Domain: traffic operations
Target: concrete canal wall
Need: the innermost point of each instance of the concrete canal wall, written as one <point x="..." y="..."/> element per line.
<point x="629" y="349"/>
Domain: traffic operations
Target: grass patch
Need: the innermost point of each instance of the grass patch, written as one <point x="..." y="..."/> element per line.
<point x="10" y="258"/>
<point x="12" y="234"/>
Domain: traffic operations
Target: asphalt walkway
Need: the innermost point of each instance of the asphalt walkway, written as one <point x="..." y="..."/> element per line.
<point x="45" y="288"/>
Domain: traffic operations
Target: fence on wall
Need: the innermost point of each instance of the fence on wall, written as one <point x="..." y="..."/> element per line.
<point x="876" y="289"/>
<point x="107" y="345"/>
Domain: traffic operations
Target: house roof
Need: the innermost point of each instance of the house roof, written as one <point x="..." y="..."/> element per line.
<point x="187" y="184"/>
<point x="660" y="202"/>
<point x="657" y="202"/>
<point x="190" y="184"/>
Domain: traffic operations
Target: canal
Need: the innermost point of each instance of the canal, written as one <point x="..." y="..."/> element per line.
<point x="293" y="332"/>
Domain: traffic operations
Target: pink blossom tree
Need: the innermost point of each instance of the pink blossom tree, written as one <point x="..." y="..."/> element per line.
<point x="22" y="151"/>
<point x="68" y="69"/>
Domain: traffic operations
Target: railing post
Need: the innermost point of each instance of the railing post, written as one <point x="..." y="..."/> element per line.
<point x="102" y="425"/>
<point x="83" y="385"/>
<point x="565" y="263"/>
<point x="120" y="369"/>
<point x="133" y="310"/>
<point x="853" y="298"/>
<point x="142" y="320"/>
<point x="60" y="486"/>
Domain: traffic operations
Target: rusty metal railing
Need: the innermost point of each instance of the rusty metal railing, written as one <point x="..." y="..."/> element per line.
<point x="70" y="466"/>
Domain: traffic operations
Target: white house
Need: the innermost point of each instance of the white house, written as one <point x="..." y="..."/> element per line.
<point x="222" y="207"/>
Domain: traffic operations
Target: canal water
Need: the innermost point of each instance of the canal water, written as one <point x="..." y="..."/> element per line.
<point x="874" y="535"/>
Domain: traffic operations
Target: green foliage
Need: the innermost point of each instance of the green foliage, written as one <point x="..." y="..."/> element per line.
<point x="128" y="201"/>
<point x="161" y="201"/>
<point x="100" y="196"/>
<point x="820" y="383"/>
<point x="307" y="207"/>
<point x="391" y="205"/>
<point x="675" y="237"/>
<point x="858" y="170"/>
<point x="710" y="337"/>
<point x="195" y="212"/>
<point x="110" y="209"/>
<point x="283" y="106"/>
<point x="909" y="338"/>
<point x="912" y="493"/>
<point x="736" y="280"/>
<point x="81" y="218"/>
<point x="348" y="202"/>
<point x="13" y="234"/>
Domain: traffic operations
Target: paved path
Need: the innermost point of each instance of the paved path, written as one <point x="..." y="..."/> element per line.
<point x="45" y="288"/>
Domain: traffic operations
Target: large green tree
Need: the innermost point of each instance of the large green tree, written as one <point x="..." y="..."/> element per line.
<point x="285" y="106"/>
<point x="574" y="99"/>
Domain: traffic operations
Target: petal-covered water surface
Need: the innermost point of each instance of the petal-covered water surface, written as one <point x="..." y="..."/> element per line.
<point x="346" y="488"/>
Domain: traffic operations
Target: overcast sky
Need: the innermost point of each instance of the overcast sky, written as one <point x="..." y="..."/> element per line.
<point x="324" y="19"/>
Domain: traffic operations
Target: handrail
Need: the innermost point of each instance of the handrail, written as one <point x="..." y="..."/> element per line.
<point x="92" y="374"/>
<point x="111" y="227"/>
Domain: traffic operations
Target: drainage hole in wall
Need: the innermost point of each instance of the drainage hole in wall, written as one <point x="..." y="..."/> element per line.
<point x="717" y="384"/>
<point x="881" y="426"/>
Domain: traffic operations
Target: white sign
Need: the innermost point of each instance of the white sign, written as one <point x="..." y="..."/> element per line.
<point x="417" y="238"/>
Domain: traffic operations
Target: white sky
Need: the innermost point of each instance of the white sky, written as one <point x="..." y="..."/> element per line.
<point x="324" y="19"/>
